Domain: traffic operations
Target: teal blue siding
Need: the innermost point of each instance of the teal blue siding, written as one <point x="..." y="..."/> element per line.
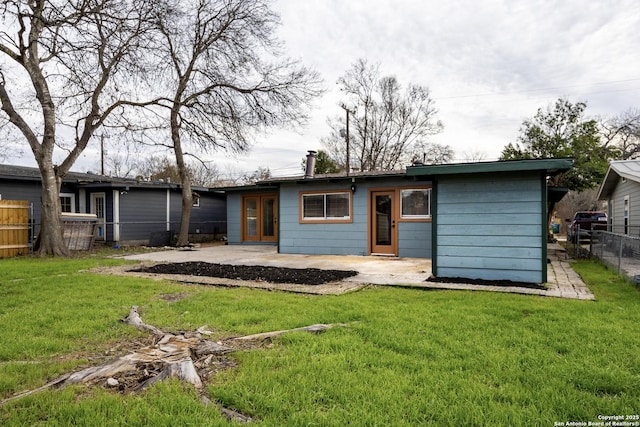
<point x="234" y="216"/>
<point x="490" y="227"/>
<point x="414" y="238"/>
<point x="330" y="238"/>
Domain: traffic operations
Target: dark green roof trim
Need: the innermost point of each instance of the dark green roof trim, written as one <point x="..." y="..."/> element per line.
<point x="550" y="166"/>
<point x="250" y="187"/>
<point x="337" y="177"/>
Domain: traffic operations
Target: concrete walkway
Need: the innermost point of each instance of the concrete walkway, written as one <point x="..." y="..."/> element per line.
<point x="563" y="282"/>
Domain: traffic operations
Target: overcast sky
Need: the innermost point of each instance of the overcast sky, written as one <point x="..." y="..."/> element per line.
<point x="489" y="65"/>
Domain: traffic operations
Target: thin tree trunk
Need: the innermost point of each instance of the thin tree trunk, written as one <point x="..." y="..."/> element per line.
<point x="185" y="179"/>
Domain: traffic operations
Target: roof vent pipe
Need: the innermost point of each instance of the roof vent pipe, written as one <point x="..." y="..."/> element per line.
<point x="311" y="164"/>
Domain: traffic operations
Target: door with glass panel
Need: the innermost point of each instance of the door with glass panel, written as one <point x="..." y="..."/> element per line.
<point x="98" y="208"/>
<point x="383" y="234"/>
<point x="260" y="218"/>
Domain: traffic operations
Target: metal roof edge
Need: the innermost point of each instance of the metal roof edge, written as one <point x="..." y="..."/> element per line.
<point x="611" y="178"/>
<point x="624" y="174"/>
<point x="548" y="165"/>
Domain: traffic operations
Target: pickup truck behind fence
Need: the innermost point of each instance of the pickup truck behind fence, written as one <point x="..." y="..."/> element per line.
<point x="584" y="223"/>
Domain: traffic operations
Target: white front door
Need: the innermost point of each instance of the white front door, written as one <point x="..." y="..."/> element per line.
<point x="98" y="208"/>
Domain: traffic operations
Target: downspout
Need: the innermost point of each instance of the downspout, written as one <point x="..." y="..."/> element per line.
<point x="278" y="220"/>
<point x="545" y="231"/>
<point x="434" y="227"/>
<point x="116" y="216"/>
<point x="168" y="209"/>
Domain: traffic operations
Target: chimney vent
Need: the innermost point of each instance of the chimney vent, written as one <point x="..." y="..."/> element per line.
<point x="311" y="164"/>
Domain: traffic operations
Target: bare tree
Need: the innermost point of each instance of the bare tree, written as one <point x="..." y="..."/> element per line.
<point x="204" y="175"/>
<point x="226" y="79"/>
<point x="260" y="174"/>
<point x="77" y="57"/>
<point x="574" y="201"/>
<point x="623" y="133"/>
<point x="386" y="122"/>
<point x="430" y="153"/>
<point x="474" y="156"/>
<point x="119" y="157"/>
<point x="163" y="167"/>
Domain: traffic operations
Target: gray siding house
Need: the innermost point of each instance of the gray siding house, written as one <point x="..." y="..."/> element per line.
<point x="473" y="220"/>
<point x="128" y="211"/>
<point x="621" y="190"/>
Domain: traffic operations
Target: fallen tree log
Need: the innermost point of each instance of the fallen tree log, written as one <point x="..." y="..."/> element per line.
<point x="321" y="327"/>
<point x="183" y="355"/>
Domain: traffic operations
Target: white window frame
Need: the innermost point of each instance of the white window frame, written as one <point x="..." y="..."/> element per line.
<point x="626" y="214"/>
<point x="403" y="216"/>
<point x="72" y="198"/>
<point x="326" y="218"/>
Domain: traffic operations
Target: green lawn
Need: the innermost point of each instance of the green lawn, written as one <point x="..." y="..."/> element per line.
<point x="409" y="357"/>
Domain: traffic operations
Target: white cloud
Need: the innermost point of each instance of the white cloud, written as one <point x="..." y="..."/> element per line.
<point x="489" y="64"/>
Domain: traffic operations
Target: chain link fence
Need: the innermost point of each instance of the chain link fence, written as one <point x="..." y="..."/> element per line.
<point x="149" y="233"/>
<point x="620" y="251"/>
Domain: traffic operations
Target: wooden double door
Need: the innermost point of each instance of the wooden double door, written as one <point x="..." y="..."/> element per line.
<point x="260" y="218"/>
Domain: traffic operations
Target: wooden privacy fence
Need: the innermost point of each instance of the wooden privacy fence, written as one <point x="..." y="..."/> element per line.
<point x="14" y="228"/>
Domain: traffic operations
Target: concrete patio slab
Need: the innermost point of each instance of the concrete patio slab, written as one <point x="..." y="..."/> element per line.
<point x="563" y="282"/>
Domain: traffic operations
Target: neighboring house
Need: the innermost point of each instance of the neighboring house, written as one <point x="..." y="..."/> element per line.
<point x="474" y="220"/>
<point x="621" y="190"/>
<point x="128" y="211"/>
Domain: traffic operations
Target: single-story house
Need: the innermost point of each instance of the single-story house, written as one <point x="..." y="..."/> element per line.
<point x="621" y="190"/>
<point x="128" y="211"/>
<point x="482" y="220"/>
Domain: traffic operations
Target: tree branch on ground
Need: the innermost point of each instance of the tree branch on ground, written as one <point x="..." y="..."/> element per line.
<point x="187" y="356"/>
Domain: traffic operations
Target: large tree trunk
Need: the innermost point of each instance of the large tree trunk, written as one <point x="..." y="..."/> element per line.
<point x="50" y="237"/>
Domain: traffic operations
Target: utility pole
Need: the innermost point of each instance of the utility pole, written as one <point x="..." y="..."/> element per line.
<point x="347" y="111"/>
<point x="102" y="154"/>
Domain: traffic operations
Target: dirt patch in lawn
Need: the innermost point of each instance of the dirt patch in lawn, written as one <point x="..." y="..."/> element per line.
<point x="308" y="280"/>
